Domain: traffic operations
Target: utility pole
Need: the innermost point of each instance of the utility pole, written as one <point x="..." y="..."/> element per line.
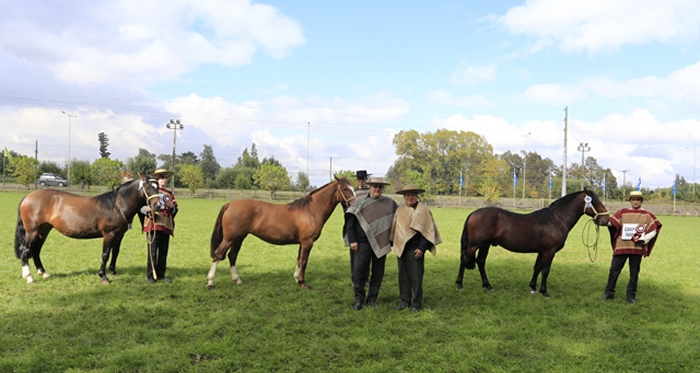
<point x="624" y="181"/>
<point x="583" y="148"/>
<point x="174" y="125"/>
<point x="69" y="116"/>
<point x="566" y="130"/>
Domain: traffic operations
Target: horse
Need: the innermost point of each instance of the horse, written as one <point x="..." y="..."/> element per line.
<point x="543" y="232"/>
<point x="108" y="215"/>
<point x="299" y="222"/>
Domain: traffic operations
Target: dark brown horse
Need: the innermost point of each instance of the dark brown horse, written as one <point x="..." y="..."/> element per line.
<point x="543" y="232"/>
<point x="299" y="222"/>
<point x="108" y="215"/>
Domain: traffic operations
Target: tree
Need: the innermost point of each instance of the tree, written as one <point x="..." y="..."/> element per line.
<point x="208" y="163"/>
<point x="104" y="143"/>
<point x="108" y="172"/>
<point x="191" y="176"/>
<point x="144" y="163"/>
<point x="51" y="167"/>
<point x="272" y="178"/>
<point x="302" y="181"/>
<point x="81" y="172"/>
<point x="25" y="169"/>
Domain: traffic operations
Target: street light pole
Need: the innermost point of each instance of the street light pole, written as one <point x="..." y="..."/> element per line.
<point x="583" y="148"/>
<point x="624" y="181"/>
<point x="174" y="125"/>
<point x="525" y="164"/>
<point x="69" y="116"/>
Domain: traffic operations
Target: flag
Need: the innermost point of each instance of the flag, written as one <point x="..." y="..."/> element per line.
<point x="603" y="184"/>
<point x="515" y="179"/>
<point x="639" y="184"/>
<point x="7" y="154"/>
<point x="550" y="181"/>
<point x="673" y="191"/>
<point x="460" y="179"/>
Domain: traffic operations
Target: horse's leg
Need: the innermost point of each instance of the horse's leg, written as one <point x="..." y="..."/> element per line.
<point x="546" y="265"/>
<point x="217" y="256"/>
<point x="36" y="256"/>
<point x="232" y="257"/>
<point x="116" y="244"/>
<point x="481" y="263"/>
<point x="106" y="248"/>
<point x="535" y="273"/>
<point x="302" y="259"/>
<point x="460" y="275"/>
<point x="25" y="251"/>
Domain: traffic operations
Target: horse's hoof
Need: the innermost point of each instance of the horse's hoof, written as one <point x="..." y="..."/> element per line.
<point x="104" y="281"/>
<point x="239" y="282"/>
<point x="45" y="275"/>
<point x="533" y="291"/>
<point x="210" y="286"/>
<point x="30" y="280"/>
<point x="304" y="286"/>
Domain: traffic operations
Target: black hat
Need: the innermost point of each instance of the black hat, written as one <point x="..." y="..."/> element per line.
<point x="361" y="174"/>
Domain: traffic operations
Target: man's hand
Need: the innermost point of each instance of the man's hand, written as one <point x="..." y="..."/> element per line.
<point x="353" y="246"/>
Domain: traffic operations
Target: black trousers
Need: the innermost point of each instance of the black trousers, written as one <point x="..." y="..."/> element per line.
<point x="158" y="252"/>
<point x="411" y="278"/>
<point x="364" y="260"/>
<point x="618" y="262"/>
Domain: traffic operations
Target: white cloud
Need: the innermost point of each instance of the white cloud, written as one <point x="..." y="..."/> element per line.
<point x="473" y="74"/>
<point x="600" y="25"/>
<point x="137" y="43"/>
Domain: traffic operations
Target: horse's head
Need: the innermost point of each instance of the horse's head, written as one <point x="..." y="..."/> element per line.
<point x="148" y="188"/>
<point x="594" y="208"/>
<point x="346" y="194"/>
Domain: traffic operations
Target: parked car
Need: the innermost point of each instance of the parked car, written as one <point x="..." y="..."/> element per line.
<point x="52" y="180"/>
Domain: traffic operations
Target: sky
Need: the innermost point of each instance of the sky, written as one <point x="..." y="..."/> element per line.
<point x="324" y="86"/>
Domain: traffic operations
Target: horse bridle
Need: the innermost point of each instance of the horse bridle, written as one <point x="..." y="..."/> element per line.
<point x="347" y="200"/>
<point x="588" y="199"/>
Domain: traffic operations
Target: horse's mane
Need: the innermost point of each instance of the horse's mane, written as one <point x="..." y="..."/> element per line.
<point x="544" y="215"/>
<point x="305" y="200"/>
<point x="107" y="200"/>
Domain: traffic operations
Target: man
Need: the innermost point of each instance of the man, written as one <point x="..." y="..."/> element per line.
<point x="413" y="232"/>
<point x="159" y="225"/>
<point x="368" y="224"/>
<point x="361" y="190"/>
<point x="633" y="233"/>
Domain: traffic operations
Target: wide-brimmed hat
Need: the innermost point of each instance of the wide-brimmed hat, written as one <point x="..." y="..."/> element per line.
<point x="410" y="188"/>
<point x="635" y="194"/>
<point x="362" y="174"/>
<point x="377" y="181"/>
<point x="162" y="172"/>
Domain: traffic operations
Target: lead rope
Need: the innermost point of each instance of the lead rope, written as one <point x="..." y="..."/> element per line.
<point x="585" y="235"/>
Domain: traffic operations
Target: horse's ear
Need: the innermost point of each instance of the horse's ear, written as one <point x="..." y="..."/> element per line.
<point x="336" y="177"/>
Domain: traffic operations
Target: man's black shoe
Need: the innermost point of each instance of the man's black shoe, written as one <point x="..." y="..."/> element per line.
<point x="151" y="281"/>
<point x="373" y="304"/>
<point x="631" y="300"/>
<point x="415" y="309"/>
<point x="358" y="306"/>
<point x="402" y="307"/>
<point x="607" y="296"/>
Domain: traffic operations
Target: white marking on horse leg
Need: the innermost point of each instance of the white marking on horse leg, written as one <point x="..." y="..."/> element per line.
<point x="297" y="270"/>
<point x="26" y="272"/>
<point x="533" y="291"/>
<point x="212" y="272"/>
<point x="234" y="275"/>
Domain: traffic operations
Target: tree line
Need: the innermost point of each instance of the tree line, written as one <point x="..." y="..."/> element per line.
<point x="444" y="162"/>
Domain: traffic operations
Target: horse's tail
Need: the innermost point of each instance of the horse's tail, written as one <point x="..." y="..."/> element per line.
<point x="467" y="262"/>
<point x="218" y="234"/>
<point x="20" y="233"/>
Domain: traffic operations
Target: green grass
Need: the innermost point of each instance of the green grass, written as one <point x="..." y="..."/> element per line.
<point x="72" y="323"/>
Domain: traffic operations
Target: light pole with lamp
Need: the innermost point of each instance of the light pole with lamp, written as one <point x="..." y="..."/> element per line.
<point x="624" y="181"/>
<point x="525" y="164"/>
<point x="583" y="148"/>
<point x="693" y="170"/>
<point x="69" y="116"/>
<point x="174" y="125"/>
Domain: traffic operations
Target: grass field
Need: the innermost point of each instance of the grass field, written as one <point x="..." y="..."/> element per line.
<point x="71" y="323"/>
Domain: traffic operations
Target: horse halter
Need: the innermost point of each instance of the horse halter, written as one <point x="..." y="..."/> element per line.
<point x="588" y="199"/>
<point x="346" y="200"/>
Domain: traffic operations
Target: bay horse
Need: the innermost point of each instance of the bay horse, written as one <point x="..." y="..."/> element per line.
<point x="299" y="222"/>
<point x="543" y="232"/>
<point x="108" y="215"/>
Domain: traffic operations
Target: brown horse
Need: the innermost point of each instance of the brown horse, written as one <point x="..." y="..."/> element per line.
<point x="108" y="215"/>
<point x="299" y="222"/>
<point x="543" y="232"/>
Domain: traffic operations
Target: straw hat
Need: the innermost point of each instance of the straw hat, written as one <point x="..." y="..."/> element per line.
<point x="636" y="194"/>
<point x="377" y="181"/>
<point x="162" y="172"/>
<point x="410" y="188"/>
